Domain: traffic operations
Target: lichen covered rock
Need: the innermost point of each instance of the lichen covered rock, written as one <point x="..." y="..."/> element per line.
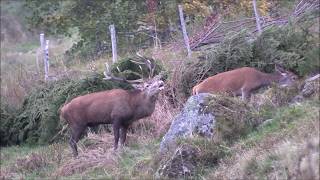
<point x="192" y="119"/>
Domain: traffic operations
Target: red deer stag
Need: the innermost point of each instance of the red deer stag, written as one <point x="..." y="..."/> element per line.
<point x="117" y="107"/>
<point x="243" y="81"/>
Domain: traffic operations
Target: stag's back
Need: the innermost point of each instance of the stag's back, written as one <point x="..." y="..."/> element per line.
<point x="231" y="81"/>
<point x="95" y="107"/>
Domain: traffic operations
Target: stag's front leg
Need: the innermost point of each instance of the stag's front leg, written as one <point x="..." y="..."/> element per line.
<point x="245" y="94"/>
<point x="116" y="129"/>
<point x="123" y="134"/>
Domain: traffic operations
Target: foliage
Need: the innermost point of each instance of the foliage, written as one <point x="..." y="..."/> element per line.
<point x="232" y="9"/>
<point x="92" y="19"/>
<point x="234" y="118"/>
<point x="38" y="119"/>
<point x="137" y="22"/>
<point x="129" y="69"/>
<point x="292" y="46"/>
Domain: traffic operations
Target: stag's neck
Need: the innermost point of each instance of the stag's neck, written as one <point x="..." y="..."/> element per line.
<point x="144" y="105"/>
<point x="269" y="78"/>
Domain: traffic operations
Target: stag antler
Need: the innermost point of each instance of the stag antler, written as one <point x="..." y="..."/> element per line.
<point x="109" y="76"/>
<point x="149" y="63"/>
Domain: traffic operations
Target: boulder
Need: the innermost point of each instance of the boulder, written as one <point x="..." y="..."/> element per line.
<point x="310" y="89"/>
<point x="191" y="120"/>
<point x="311" y="86"/>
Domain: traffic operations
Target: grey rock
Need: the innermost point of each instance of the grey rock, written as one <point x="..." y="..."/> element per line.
<point x="192" y="119"/>
<point x="310" y="87"/>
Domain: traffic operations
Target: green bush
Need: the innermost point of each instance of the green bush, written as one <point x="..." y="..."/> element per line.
<point x="7" y="121"/>
<point x="291" y="46"/>
<point x="38" y="119"/>
<point x="126" y="68"/>
<point x="234" y="118"/>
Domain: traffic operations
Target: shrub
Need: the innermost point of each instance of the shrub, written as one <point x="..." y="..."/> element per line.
<point x="126" y="68"/>
<point x="292" y="46"/>
<point x="234" y="118"/>
<point x="7" y="121"/>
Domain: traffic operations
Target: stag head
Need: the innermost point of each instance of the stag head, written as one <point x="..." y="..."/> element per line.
<point x="287" y="78"/>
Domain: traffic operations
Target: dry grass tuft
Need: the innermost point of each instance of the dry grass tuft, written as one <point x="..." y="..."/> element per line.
<point x="159" y="122"/>
<point x="28" y="164"/>
<point x="95" y="151"/>
<point x="31" y="162"/>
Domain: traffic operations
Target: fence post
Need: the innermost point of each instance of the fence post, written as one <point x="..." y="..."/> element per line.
<point x="46" y="60"/>
<point x="113" y="43"/>
<point x="256" y="15"/>
<point x="184" y="31"/>
<point x="45" y="55"/>
<point x="39" y="52"/>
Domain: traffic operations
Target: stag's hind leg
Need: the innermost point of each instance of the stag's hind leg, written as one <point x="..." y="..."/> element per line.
<point x="76" y="132"/>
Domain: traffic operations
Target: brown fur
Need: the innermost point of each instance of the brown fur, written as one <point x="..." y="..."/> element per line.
<point x="242" y="81"/>
<point x="118" y="107"/>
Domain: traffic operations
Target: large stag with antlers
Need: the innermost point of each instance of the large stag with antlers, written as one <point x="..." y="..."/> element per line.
<point x="117" y="107"/>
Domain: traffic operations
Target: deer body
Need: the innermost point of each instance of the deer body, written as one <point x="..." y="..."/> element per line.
<point x="242" y="81"/>
<point x="118" y="107"/>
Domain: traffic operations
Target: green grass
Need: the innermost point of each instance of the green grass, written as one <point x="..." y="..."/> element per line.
<point x="282" y="119"/>
<point x="138" y="160"/>
<point x="138" y="156"/>
<point x="96" y="173"/>
<point x="12" y="153"/>
<point x="27" y="46"/>
<point x="274" y="148"/>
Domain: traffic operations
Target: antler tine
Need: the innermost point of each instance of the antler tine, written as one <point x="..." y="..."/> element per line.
<point x="147" y="62"/>
<point x="108" y="76"/>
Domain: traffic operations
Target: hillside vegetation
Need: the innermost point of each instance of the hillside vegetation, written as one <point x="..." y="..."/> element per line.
<point x="275" y="135"/>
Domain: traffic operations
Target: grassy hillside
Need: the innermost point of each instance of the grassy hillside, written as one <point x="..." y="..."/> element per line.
<point x="280" y="148"/>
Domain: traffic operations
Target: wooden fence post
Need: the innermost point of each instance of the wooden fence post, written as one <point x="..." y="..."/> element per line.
<point x="39" y="52"/>
<point x="45" y="56"/>
<point x="184" y="31"/>
<point x="257" y="16"/>
<point x="46" y="60"/>
<point x="113" y="43"/>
